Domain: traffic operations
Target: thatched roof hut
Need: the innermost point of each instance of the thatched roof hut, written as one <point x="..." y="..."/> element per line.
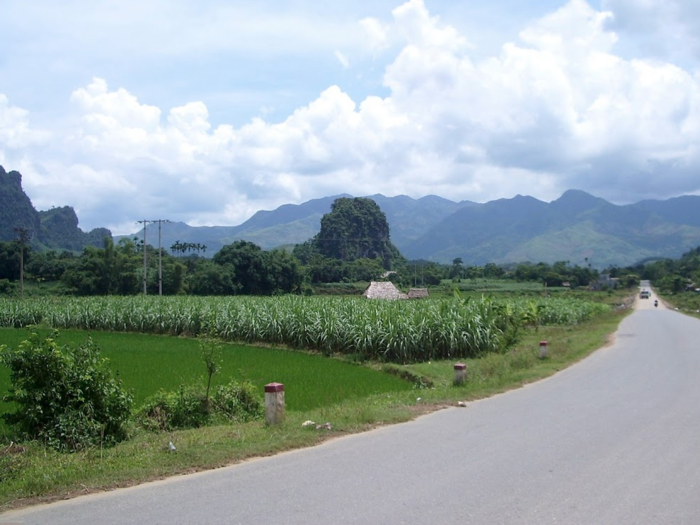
<point x="383" y="290"/>
<point x="418" y="293"/>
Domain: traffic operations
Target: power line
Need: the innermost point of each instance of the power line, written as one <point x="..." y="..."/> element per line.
<point x="160" y="222"/>
<point x="23" y="236"/>
<point x="145" y="258"/>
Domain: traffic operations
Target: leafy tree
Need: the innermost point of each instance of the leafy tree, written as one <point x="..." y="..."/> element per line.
<point x="326" y="270"/>
<point x="365" y="270"/>
<point x="474" y="272"/>
<point x="283" y="272"/>
<point x="457" y="268"/>
<point x="673" y="283"/>
<point x="9" y="261"/>
<point x="492" y="271"/>
<point x="208" y="278"/>
<point x="49" y="265"/>
<point x="257" y="272"/>
<point x="249" y="265"/>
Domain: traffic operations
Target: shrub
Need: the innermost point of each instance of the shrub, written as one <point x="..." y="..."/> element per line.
<point x="237" y="402"/>
<point x="170" y="410"/>
<point x="65" y="396"/>
<point x="189" y="408"/>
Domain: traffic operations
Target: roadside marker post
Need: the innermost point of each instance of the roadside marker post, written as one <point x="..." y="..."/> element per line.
<point x="274" y="403"/>
<point x="460" y="373"/>
<point x="543" y="349"/>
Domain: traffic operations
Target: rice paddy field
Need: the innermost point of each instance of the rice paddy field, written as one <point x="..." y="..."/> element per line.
<point x="147" y="363"/>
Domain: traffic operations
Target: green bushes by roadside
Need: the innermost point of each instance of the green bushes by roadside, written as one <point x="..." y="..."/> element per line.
<point x="64" y="396"/>
<point x="190" y="407"/>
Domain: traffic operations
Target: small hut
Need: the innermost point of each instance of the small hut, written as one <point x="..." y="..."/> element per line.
<point x="383" y="290"/>
<point x="418" y="293"/>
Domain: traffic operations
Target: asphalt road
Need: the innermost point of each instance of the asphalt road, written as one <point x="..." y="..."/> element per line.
<point x="614" y="439"/>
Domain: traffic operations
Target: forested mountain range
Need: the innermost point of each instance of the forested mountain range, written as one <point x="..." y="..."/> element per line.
<point x="577" y="227"/>
<point x="296" y="223"/>
<point x="55" y="229"/>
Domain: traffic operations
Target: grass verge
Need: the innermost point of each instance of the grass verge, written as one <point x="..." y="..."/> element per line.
<point x="686" y="302"/>
<point x="31" y="473"/>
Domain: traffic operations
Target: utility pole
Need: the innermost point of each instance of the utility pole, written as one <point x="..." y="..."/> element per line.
<point x="144" y="222"/>
<point x="22" y="236"/>
<point x="160" y="253"/>
<point x="160" y="256"/>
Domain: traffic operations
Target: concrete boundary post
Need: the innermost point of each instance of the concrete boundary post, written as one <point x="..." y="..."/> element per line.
<point x="460" y="373"/>
<point x="274" y="403"/>
<point x="543" y="349"/>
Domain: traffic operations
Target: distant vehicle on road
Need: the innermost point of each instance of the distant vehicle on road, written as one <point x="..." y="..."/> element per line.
<point x="644" y="294"/>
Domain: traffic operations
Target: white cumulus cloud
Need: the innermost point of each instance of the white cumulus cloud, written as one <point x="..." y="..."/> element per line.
<point x="557" y="108"/>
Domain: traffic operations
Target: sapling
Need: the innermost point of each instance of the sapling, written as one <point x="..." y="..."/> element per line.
<point x="211" y="355"/>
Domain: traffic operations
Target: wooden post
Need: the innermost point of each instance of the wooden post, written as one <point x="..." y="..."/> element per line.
<point x="274" y="403"/>
<point x="460" y="373"/>
<point x="543" y="349"/>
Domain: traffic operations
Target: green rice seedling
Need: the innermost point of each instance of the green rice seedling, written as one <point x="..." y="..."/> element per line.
<point x="148" y="363"/>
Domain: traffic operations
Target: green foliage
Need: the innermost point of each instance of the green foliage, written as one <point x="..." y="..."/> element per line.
<point x="237" y="402"/>
<point x="174" y="410"/>
<point x="208" y="278"/>
<point x="355" y="228"/>
<point x="9" y="260"/>
<point x="190" y="407"/>
<point x="64" y="396"/>
<point x="353" y="244"/>
<point x="211" y="355"/>
<point x="555" y="274"/>
<point x="672" y="283"/>
<point x="12" y="462"/>
<point x="669" y="275"/>
<point x="253" y="271"/>
<point x="400" y="331"/>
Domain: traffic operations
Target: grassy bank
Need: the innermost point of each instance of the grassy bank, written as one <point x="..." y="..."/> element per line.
<point x="686" y="302"/>
<point x="31" y="473"/>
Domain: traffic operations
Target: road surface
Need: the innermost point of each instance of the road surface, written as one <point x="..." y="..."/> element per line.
<point x="614" y="439"/>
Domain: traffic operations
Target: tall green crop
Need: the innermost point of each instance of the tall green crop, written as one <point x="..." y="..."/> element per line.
<point x="398" y="331"/>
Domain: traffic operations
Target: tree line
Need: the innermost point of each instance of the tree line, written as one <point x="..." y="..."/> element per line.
<point x="353" y="245"/>
<point x="669" y="275"/>
<point x="117" y="269"/>
<point x="246" y="269"/>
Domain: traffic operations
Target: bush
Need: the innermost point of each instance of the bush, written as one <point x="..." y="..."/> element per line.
<point x="237" y="402"/>
<point x="189" y="407"/>
<point x="65" y="396"/>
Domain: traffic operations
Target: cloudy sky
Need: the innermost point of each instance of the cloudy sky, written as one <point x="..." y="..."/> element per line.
<point x="206" y="111"/>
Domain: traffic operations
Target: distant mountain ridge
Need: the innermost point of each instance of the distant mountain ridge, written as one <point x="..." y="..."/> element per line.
<point x="577" y="227"/>
<point x="56" y="228"/>
<point x="296" y="223"/>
